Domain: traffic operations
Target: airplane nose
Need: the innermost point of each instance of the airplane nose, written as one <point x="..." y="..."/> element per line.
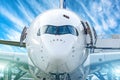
<point x="58" y="46"/>
<point x="59" y="49"/>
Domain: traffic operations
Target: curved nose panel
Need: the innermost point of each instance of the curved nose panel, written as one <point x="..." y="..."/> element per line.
<point x="58" y="48"/>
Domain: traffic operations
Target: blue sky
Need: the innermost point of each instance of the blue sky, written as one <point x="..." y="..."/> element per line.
<point x="103" y="15"/>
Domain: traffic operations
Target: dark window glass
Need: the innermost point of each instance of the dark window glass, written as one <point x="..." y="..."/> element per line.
<point x="38" y="33"/>
<point x="63" y="30"/>
<point x="59" y="30"/>
<point x="51" y="29"/>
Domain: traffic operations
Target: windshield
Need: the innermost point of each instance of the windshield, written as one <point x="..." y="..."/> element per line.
<point x="59" y="30"/>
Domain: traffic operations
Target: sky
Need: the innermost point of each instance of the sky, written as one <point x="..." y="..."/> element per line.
<point x="103" y="15"/>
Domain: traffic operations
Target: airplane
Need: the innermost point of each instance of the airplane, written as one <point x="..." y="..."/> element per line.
<point x="61" y="46"/>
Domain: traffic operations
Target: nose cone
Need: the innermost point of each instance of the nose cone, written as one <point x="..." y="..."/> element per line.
<point x="58" y="46"/>
<point x="59" y="49"/>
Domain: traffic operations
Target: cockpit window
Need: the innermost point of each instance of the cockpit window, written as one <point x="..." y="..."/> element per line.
<point x="59" y="30"/>
<point x="38" y="33"/>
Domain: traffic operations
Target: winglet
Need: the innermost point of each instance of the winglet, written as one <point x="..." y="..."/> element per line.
<point x="23" y="36"/>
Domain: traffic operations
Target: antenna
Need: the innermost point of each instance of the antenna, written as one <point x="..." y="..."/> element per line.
<point x="63" y="4"/>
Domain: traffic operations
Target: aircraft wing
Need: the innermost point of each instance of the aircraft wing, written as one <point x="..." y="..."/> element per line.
<point x="100" y="58"/>
<point x="14" y="57"/>
<point x="12" y="43"/>
<point x="103" y="65"/>
<point x="17" y="65"/>
<point x="21" y="43"/>
<point x="103" y="56"/>
<point x="109" y="43"/>
<point x="105" y="50"/>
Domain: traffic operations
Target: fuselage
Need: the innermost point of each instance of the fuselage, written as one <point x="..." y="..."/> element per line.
<point x="56" y="42"/>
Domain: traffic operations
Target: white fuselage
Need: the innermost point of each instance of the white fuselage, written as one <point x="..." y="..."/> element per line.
<point x="56" y="53"/>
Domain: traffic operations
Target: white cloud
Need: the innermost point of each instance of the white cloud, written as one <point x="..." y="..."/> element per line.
<point x="87" y="12"/>
<point x="112" y="22"/>
<point x="28" y="15"/>
<point x="36" y="6"/>
<point x="93" y="18"/>
<point x="96" y="7"/>
<point x="5" y="47"/>
<point x="105" y="25"/>
<point x="52" y="3"/>
<point x="15" y="19"/>
<point x="13" y="35"/>
<point x="98" y="28"/>
<point x="106" y="3"/>
<point x="117" y="14"/>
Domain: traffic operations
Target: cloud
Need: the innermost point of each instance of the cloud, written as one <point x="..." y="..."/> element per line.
<point x="52" y="3"/>
<point x="102" y="15"/>
<point x="13" y="35"/>
<point x="4" y="47"/>
<point x="9" y="33"/>
<point x="112" y="23"/>
<point x="13" y="18"/>
<point x="37" y="7"/>
<point x="28" y="15"/>
<point x="96" y="7"/>
<point x="9" y="49"/>
<point x="92" y="17"/>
